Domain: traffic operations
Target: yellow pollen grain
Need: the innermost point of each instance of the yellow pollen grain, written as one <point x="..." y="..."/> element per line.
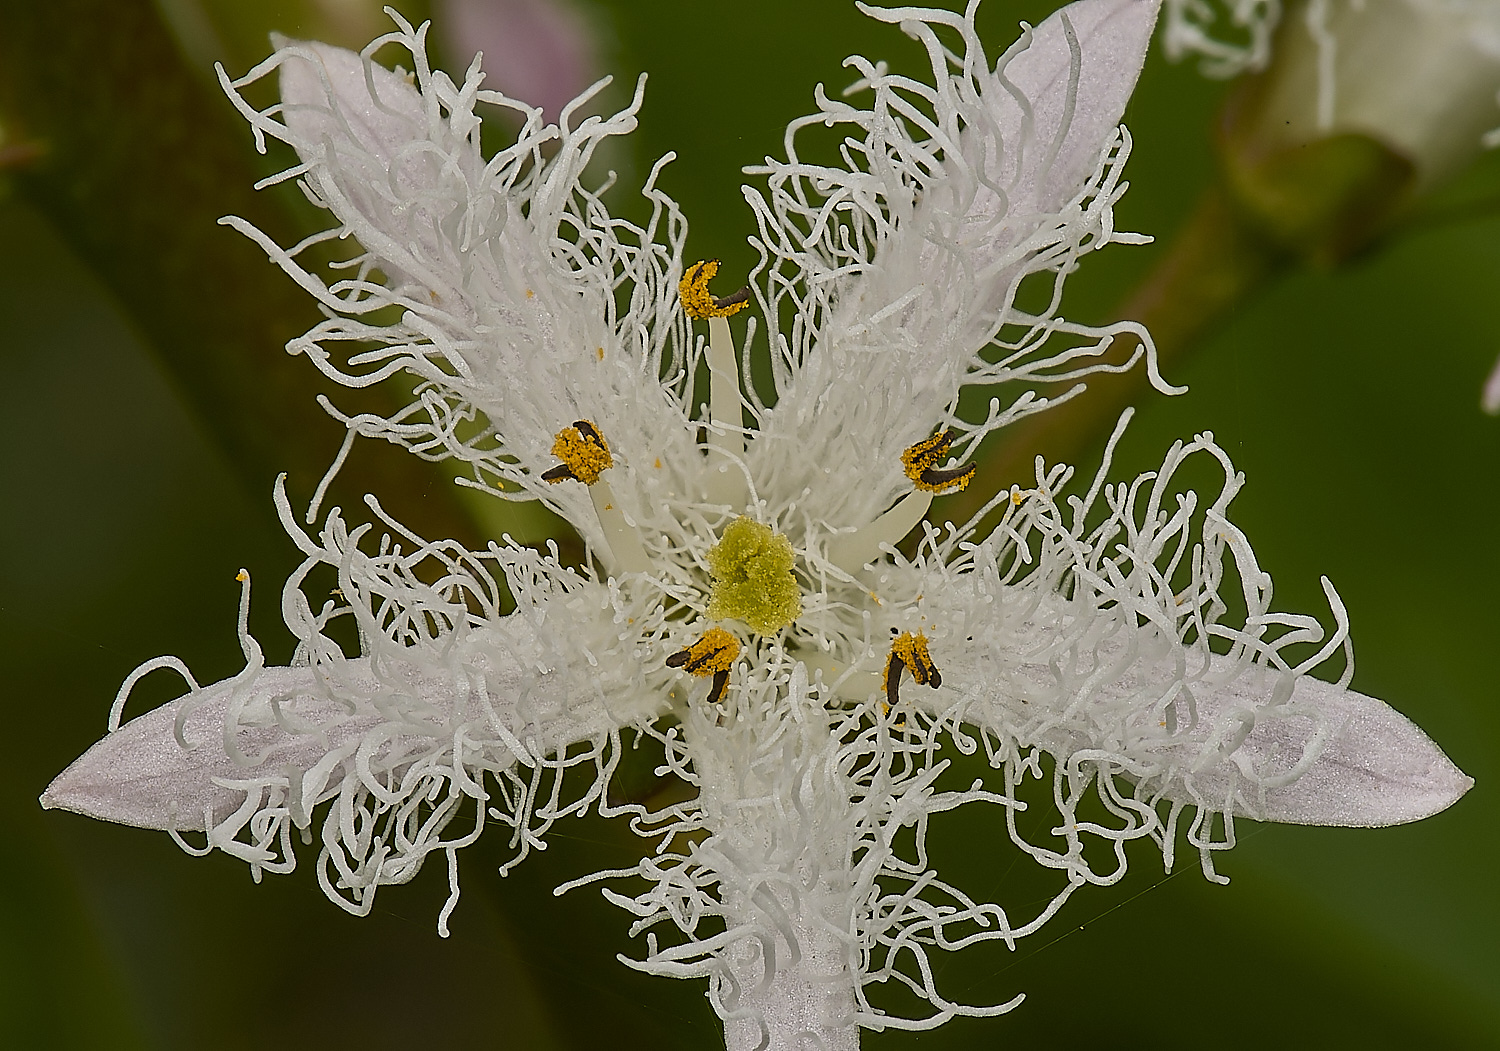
<point x="242" y="576"/>
<point x="697" y="301"/>
<point x="585" y="456"/>
<point x="658" y="463"/>
<point x="530" y="294"/>
<point x="600" y="351"/>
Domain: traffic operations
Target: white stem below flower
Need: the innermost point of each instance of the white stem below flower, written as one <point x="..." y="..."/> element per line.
<point x="726" y="436"/>
<point x="623" y="539"/>
<point x="852" y="551"/>
<point x="809" y="1001"/>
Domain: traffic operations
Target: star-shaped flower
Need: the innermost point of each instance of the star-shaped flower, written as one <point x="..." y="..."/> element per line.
<point x="744" y="602"/>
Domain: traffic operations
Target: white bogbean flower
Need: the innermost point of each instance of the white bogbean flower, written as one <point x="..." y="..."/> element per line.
<point x="744" y="603"/>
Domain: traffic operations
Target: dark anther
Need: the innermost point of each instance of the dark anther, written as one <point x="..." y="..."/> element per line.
<point x="943" y="479"/>
<point x="921" y="460"/>
<point x="720" y="687"/>
<point x="742" y="296"/>
<point x="893" y="671"/>
<point x="588" y="431"/>
<point x="693" y="663"/>
<point x="909" y="653"/>
<point x="559" y="473"/>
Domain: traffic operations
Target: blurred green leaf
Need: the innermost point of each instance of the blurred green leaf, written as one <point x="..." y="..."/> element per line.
<point x="138" y="159"/>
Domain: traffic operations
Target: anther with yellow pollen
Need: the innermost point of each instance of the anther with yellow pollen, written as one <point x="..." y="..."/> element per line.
<point x="585" y="457"/>
<point x="921" y="463"/>
<point x="851" y="551"/>
<point x="725" y="483"/>
<point x="713" y="654"/>
<point x="701" y="304"/>
<point x="909" y="653"/>
<point x="584" y="454"/>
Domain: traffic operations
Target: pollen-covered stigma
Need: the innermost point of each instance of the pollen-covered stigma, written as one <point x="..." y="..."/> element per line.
<point x="752" y="577"/>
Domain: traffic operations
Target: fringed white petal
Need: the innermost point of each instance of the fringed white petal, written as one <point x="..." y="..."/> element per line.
<point x="798" y="879"/>
<point x="143" y="775"/>
<point x="1077" y="74"/>
<point x="520" y="305"/>
<point x="334" y="101"/>
<point x="1328" y="756"/>
<point x="901" y="274"/>
<point x="1094" y="641"/>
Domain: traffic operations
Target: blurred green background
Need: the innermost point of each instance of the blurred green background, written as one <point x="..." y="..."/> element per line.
<point x="130" y="499"/>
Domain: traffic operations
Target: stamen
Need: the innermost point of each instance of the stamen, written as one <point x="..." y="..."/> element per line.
<point x="909" y="652"/>
<point x="921" y="463"/>
<point x="712" y="655"/>
<point x="725" y="483"/>
<point x="701" y="304"/>
<point x="585" y="456"/>
<point x="852" y="551"/>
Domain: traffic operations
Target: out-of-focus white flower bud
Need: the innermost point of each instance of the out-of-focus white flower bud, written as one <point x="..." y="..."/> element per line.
<point x="1418" y="76"/>
<point x="1362" y="108"/>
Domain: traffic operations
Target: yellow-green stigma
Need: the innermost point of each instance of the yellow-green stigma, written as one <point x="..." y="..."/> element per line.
<point x="753" y="582"/>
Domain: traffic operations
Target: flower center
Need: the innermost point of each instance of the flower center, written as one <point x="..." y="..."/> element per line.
<point x="752" y="578"/>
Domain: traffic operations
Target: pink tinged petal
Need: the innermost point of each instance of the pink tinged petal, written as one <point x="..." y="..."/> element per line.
<point x="808" y="998"/>
<point x="1490" y="400"/>
<point x="141" y="775"/>
<point x="327" y="97"/>
<point x="1227" y="740"/>
<point x="283" y="723"/>
<point x="1077" y="75"/>
<point x="1375" y="767"/>
<point x="536" y="51"/>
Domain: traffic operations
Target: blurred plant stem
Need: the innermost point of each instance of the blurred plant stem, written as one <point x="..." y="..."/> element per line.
<point x="130" y="155"/>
